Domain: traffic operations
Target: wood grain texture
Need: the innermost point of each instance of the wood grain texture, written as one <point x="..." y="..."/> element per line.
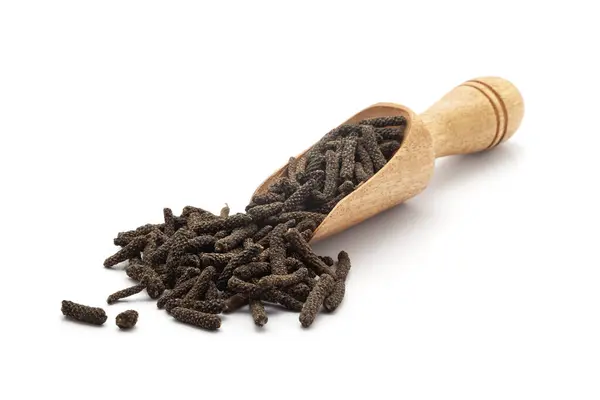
<point x="475" y="116"/>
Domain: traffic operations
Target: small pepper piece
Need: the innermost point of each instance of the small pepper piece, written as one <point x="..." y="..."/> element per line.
<point x="127" y="319"/>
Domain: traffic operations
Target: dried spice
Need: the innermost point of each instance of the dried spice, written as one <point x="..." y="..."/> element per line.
<point x="381" y="122"/>
<point x="154" y="285"/>
<point x="300" y="216"/>
<point x="131" y="249"/>
<point x="215" y="306"/>
<point x="277" y="253"/>
<point x="236" y="238"/>
<point x="216" y="259"/>
<point x="212" y="293"/>
<point x="242" y="258"/>
<point x="359" y="172"/>
<point x="299" y="291"/>
<point x="337" y="294"/>
<point x="199" y="263"/>
<point x="365" y="160"/>
<point x="300" y="165"/>
<point x="169" y="228"/>
<point x="296" y="201"/>
<point x="249" y="289"/>
<point x="327" y="260"/>
<point x="257" y="309"/>
<point x="178" y="292"/>
<point x="196" y="318"/>
<point x="284" y="185"/>
<point x="315" y="299"/>
<point x="347" y="158"/>
<point x="235" y="302"/>
<point x="308" y="256"/>
<point x="252" y="270"/>
<point x="127" y="319"/>
<point x="267" y="198"/>
<point x="389" y="148"/>
<point x="198" y="290"/>
<point x="332" y="172"/>
<point x="389" y="133"/>
<point x="123" y="238"/>
<point x="264" y="231"/>
<point x="291" y="168"/>
<point x="259" y="213"/>
<point x="281" y="298"/>
<point x="369" y="141"/>
<point x="281" y="281"/>
<point x="121" y="294"/>
<point x="80" y="312"/>
<point x="219" y="224"/>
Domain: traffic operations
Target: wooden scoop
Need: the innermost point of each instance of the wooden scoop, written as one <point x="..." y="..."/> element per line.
<point x="475" y="116"/>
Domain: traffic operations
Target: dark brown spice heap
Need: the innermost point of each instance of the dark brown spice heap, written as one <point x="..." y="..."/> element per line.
<point x="79" y="312"/>
<point x="199" y="264"/>
<point x="127" y="319"/>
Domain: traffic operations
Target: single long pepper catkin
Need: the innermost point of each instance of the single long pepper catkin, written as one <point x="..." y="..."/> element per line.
<point x="80" y="312"/>
<point x="370" y="143"/>
<point x="308" y="256"/>
<point x="281" y="281"/>
<point x="332" y="172"/>
<point x="132" y="249"/>
<point x="337" y="294"/>
<point x="347" y="158"/>
<point x="196" y="318"/>
<point x="169" y="221"/>
<point x="236" y="238"/>
<point x="257" y="309"/>
<point x="121" y="294"/>
<point x="315" y="299"/>
<point x="215" y="306"/>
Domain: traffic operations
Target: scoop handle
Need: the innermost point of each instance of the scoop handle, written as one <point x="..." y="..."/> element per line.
<point x="475" y="116"/>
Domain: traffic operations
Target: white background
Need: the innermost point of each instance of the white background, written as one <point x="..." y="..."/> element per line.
<point x="485" y="286"/>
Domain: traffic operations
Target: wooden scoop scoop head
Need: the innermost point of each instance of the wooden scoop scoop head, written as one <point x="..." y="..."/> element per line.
<point x="475" y="116"/>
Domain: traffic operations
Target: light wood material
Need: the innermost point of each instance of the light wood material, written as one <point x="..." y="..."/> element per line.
<point x="475" y="116"/>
